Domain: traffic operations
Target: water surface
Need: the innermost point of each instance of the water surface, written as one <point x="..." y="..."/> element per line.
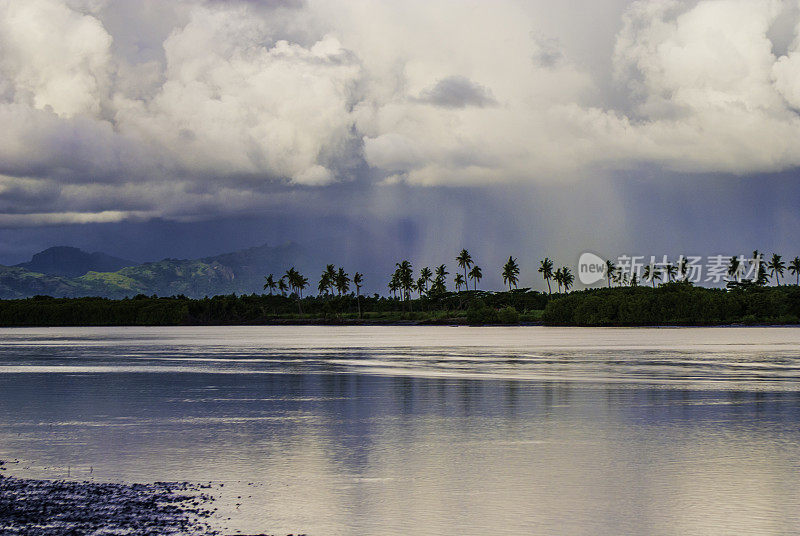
<point x="423" y="430"/>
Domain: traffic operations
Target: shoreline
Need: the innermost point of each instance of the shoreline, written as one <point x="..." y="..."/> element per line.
<point x="55" y="507"/>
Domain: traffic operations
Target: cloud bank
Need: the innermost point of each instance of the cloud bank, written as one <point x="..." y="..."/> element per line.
<point x="142" y="109"/>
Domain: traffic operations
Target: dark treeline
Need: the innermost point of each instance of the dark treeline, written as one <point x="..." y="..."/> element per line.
<point x="677" y="303"/>
<point x="472" y="307"/>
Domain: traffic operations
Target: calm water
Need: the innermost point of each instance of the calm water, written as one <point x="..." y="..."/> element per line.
<point x="430" y="431"/>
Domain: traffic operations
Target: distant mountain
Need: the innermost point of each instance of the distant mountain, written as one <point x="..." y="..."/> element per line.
<point x="240" y="272"/>
<point x="72" y="262"/>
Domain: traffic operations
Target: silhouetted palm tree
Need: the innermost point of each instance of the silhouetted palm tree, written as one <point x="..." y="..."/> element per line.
<point x="282" y="286"/>
<point x="559" y="278"/>
<point x="762" y="276"/>
<point x="567" y="278"/>
<point x="776" y="267"/>
<point x="476" y="274"/>
<point x="324" y="284"/>
<point x="270" y="283"/>
<point x="342" y="282"/>
<point x="464" y="261"/>
<point x="441" y="278"/>
<point x="511" y="273"/>
<point x="459" y="282"/>
<point x="794" y="267"/>
<point x="652" y="274"/>
<point x="358" y="280"/>
<point x="546" y="269"/>
<point x="671" y="270"/>
<point x="425" y="277"/>
<point x="394" y="285"/>
<point x="611" y="268"/>
<point x="683" y="268"/>
<point x="734" y="267"/>
<point x="405" y="275"/>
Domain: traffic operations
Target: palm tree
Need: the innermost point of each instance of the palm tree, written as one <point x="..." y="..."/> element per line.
<point x="794" y="267"/>
<point x="459" y="282"/>
<point x="425" y="277"/>
<point x="559" y="277"/>
<point x="476" y="275"/>
<point x="567" y="278"/>
<point x="546" y="269"/>
<point x="296" y="281"/>
<point x="671" y="270"/>
<point x="405" y="275"/>
<point x="282" y="286"/>
<point x="394" y="285"/>
<point x="324" y="284"/>
<point x="511" y="273"/>
<point x="358" y="280"/>
<point x="621" y="276"/>
<point x="683" y="268"/>
<point x="776" y="267"/>
<point x="269" y="283"/>
<point x="439" y="285"/>
<point x="611" y="268"/>
<point x="733" y="268"/>
<point x="652" y="274"/>
<point x="762" y="277"/>
<point x="464" y="261"/>
<point x="342" y="282"/>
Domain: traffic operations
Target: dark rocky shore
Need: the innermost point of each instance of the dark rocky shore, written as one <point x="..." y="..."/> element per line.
<point x="31" y="507"/>
<point x="57" y="507"/>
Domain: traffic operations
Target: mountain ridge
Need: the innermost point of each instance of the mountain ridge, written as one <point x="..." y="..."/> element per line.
<point x="240" y="272"/>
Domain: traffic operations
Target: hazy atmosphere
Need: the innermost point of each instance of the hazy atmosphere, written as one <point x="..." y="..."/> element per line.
<point x="366" y="132"/>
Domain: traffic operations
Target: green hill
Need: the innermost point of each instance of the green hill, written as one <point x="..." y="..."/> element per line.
<point x="239" y="272"/>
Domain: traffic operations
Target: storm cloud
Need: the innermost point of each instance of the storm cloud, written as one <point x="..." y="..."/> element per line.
<point x="198" y="108"/>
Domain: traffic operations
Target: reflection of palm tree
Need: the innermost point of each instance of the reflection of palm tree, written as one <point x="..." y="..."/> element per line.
<point x="776" y="267"/>
<point x="269" y="283"/>
<point x="459" y="282"/>
<point x="464" y="261"/>
<point x="476" y="275"/>
<point x="610" y="271"/>
<point x="511" y="273"/>
<point x="546" y="269"/>
<point x="794" y="268"/>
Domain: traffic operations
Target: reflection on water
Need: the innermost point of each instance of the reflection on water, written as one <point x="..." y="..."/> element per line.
<point x="424" y="430"/>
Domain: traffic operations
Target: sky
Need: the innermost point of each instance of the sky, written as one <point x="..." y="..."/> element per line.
<point x="369" y="131"/>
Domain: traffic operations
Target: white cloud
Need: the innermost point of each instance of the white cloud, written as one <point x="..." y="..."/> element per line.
<point x="237" y="96"/>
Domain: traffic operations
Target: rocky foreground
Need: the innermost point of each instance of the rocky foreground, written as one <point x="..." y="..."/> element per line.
<point x="50" y="508"/>
<point x="31" y="507"/>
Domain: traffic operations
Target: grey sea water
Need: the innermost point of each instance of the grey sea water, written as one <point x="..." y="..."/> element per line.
<point x="423" y="430"/>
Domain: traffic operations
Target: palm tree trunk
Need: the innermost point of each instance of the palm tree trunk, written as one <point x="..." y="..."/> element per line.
<point x="549" y="291"/>
<point x="358" y="302"/>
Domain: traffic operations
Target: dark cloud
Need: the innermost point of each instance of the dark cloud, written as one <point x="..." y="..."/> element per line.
<point x="457" y="92"/>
